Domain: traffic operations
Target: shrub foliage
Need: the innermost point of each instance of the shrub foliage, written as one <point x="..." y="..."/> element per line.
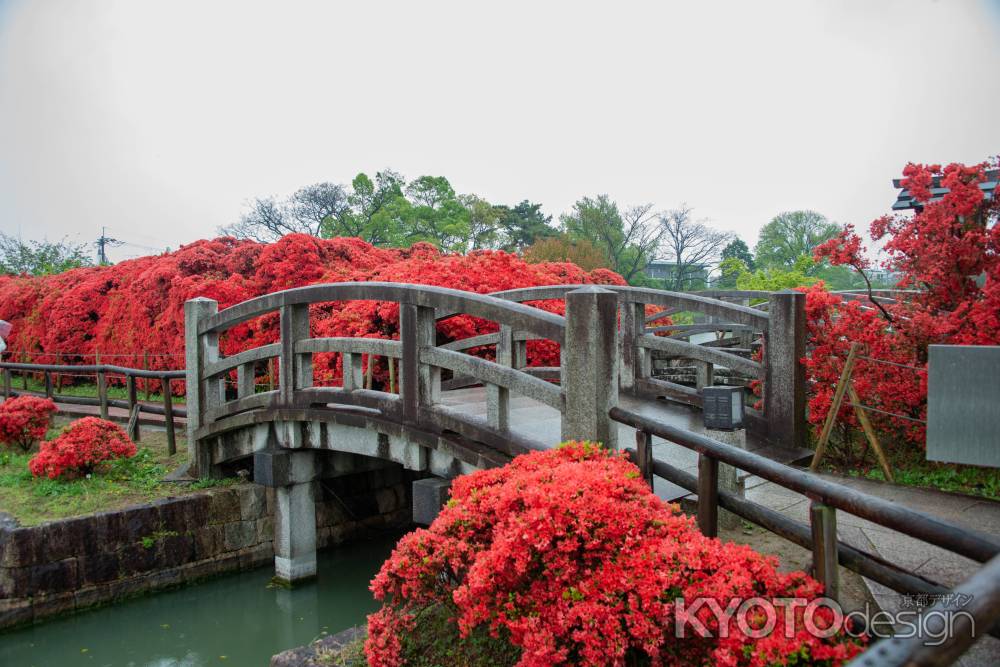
<point x="137" y="306"/>
<point x="24" y="421"/>
<point x="567" y="556"/>
<point x="948" y="253"/>
<point x="80" y="448"/>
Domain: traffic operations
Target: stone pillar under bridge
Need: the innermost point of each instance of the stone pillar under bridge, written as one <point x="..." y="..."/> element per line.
<point x="292" y="474"/>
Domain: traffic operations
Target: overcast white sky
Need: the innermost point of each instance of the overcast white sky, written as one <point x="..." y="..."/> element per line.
<point x="160" y="119"/>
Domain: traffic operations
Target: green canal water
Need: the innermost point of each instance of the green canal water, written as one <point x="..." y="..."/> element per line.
<point x="236" y="620"/>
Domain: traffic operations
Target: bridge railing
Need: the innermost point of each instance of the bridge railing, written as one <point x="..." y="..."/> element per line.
<point x="778" y="334"/>
<point x="820" y="535"/>
<point x="586" y="336"/>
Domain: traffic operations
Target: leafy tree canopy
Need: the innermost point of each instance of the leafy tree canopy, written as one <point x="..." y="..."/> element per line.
<point x="791" y="235"/>
<point x="389" y="211"/>
<point x="737" y="249"/>
<point x="629" y="239"/>
<point x="39" y="258"/>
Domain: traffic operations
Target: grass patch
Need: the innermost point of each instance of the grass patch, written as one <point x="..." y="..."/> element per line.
<point x="912" y="469"/>
<point x="124" y="482"/>
<point x="351" y="655"/>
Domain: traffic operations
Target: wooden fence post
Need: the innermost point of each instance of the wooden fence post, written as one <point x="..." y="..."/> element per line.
<point x="6" y="383"/>
<point x="823" y="519"/>
<point x="133" y="406"/>
<point x="145" y="367"/>
<point x="168" y="416"/>
<point x="708" y="495"/>
<point x="102" y="393"/>
<point x="644" y="452"/>
<point x="48" y="384"/>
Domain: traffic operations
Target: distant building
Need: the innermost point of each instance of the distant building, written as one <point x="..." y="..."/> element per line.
<point x="665" y="271"/>
<point x="882" y="277"/>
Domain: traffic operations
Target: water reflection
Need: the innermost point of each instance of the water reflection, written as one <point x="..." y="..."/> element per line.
<point x="233" y="620"/>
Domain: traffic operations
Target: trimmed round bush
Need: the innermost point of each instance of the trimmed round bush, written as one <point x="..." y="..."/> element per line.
<point x="81" y="448"/>
<point x="566" y="557"/>
<point x="24" y="421"/>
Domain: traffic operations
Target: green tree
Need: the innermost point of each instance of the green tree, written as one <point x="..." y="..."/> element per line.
<point x="371" y="213"/>
<point x="730" y="270"/>
<point x="773" y="279"/>
<point x="435" y="215"/>
<point x="484" y="222"/>
<point x="39" y="258"/>
<point x="524" y="224"/>
<point x="791" y="235"/>
<point x="737" y="249"/>
<point x="629" y="239"/>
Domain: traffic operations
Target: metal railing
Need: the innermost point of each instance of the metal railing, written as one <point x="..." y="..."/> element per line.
<point x="101" y="372"/>
<point x="820" y="535"/>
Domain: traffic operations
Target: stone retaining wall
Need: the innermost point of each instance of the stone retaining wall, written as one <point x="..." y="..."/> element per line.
<point x="77" y="563"/>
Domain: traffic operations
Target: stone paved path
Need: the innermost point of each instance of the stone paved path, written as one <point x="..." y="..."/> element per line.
<point x="927" y="560"/>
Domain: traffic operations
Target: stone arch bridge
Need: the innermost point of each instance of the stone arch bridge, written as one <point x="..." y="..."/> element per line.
<point x="455" y="412"/>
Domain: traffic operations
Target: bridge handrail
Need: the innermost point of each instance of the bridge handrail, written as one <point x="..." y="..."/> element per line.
<point x="826" y="497"/>
<point x="520" y="317"/>
<point x="735" y="312"/>
<point x="784" y="381"/>
<point x="712" y="355"/>
<point x="495" y="374"/>
<point x="421" y="361"/>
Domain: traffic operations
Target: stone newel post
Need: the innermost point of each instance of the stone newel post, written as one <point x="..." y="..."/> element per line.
<point x="785" y="381"/>
<point x="590" y="365"/>
<point x="199" y="351"/>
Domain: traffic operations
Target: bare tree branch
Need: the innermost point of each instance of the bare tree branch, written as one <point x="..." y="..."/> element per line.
<point x="690" y="244"/>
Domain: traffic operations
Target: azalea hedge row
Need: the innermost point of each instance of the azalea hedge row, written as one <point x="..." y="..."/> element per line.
<point x="137" y="306"/>
<point x="566" y="557"/>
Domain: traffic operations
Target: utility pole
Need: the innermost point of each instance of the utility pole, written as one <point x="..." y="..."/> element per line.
<point x="103" y="243"/>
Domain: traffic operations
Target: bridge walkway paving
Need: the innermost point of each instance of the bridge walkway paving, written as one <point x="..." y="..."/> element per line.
<point x="540" y="422"/>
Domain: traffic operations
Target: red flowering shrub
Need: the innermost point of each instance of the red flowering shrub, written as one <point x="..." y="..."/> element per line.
<point x="568" y="556"/>
<point x="137" y="306"/>
<point x="80" y="448"/>
<point x="949" y="252"/>
<point x="24" y="421"/>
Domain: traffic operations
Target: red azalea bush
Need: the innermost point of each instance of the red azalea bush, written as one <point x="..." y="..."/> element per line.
<point x="949" y="254"/>
<point x="24" y="421"/>
<point x="137" y="306"/>
<point x="568" y="556"/>
<point x="80" y="448"/>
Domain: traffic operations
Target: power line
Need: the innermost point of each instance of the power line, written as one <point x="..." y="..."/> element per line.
<point x="103" y="243"/>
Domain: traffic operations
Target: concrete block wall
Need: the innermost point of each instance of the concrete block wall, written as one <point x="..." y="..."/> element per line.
<point x="73" y="564"/>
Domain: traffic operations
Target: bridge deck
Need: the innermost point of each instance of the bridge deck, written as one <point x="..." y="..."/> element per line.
<point x="540" y="422"/>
